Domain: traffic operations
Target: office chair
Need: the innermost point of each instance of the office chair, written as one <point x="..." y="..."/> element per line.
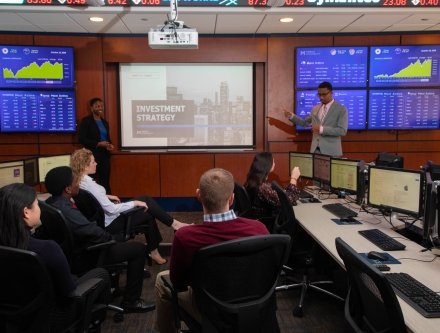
<point x="242" y="204"/>
<point x="92" y="210"/>
<point x="27" y="295"/>
<point x="234" y="285"/>
<point x="54" y="226"/>
<point x="243" y="207"/>
<point x="371" y="304"/>
<point x="302" y="255"/>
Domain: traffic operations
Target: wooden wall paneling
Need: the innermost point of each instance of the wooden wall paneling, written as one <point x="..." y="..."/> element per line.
<point x="221" y="49"/>
<point x="420" y="39"/>
<point x="15" y="39"/>
<point x="135" y="174"/>
<point x="280" y="81"/>
<point x="260" y="103"/>
<point x="414" y="160"/>
<point x="180" y="173"/>
<point x="112" y="102"/>
<point x="364" y="40"/>
<point x="370" y="147"/>
<point x="279" y="147"/>
<point x="17" y="149"/>
<point x="58" y="148"/>
<point x="238" y="164"/>
<point x="281" y="172"/>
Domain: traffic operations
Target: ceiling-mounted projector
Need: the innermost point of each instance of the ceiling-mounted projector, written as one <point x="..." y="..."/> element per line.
<point x="171" y="37"/>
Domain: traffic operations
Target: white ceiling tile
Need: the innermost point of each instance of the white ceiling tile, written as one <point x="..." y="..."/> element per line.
<point x="272" y="24"/>
<point x="238" y="23"/>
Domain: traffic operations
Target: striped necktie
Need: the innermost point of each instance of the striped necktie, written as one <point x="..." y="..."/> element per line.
<point x="323" y="113"/>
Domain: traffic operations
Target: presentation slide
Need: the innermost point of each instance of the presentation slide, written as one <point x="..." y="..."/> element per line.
<point x="404" y="109"/>
<point x="343" y="67"/>
<point x="186" y="106"/>
<point x="36" y="67"/>
<point x="354" y="100"/>
<point x="37" y="111"/>
<point x="404" y="66"/>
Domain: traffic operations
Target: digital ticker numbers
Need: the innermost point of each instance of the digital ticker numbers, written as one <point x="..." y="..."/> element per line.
<point x="243" y="3"/>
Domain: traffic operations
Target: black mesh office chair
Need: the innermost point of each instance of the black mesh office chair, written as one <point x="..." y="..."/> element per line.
<point x="234" y="285"/>
<point x="27" y="296"/>
<point x="303" y="254"/>
<point x="371" y="304"/>
<point x="92" y="210"/>
<point x="242" y="203"/>
<point x="55" y="227"/>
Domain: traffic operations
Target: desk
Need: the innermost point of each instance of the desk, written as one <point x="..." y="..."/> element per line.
<point x="317" y="222"/>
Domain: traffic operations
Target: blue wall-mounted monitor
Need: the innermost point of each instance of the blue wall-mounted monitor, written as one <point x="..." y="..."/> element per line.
<point x="404" y="109"/>
<point x="404" y="66"/>
<point x="343" y="67"/>
<point x="354" y="100"/>
<point x="39" y="67"/>
<point x="37" y="111"/>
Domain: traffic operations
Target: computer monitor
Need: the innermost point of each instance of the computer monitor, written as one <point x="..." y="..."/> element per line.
<point x="321" y="168"/>
<point x="47" y="163"/>
<point x="302" y="160"/>
<point x="31" y="171"/>
<point x="344" y="174"/>
<point x="389" y="160"/>
<point x="11" y="172"/>
<point x="396" y="190"/>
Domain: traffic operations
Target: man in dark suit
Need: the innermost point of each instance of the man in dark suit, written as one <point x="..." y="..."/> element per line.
<point x="94" y="135"/>
<point x="329" y="120"/>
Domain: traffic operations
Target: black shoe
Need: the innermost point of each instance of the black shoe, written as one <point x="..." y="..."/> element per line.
<point x="137" y="306"/>
<point x="147" y="274"/>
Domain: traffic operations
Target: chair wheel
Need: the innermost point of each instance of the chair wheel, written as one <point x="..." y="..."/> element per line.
<point x="118" y="317"/>
<point x="297" y="312"/>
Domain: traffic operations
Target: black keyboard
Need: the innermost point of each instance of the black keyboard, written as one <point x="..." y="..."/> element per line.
<point x="420" y="297"/>
<point x="382" y="240"/>
<point x="305" y="195"/>
<point x="340" y="210"/>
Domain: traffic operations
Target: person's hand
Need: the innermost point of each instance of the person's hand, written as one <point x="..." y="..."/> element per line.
<point x="139" y="203"/>
<point x="316" y="128"/>
<point x="295" y="174"/>
<point x="103" y="144"/>
<point x="288" y="114"/>
<point x="110" y="147"/>
<point x="113" y="198"/>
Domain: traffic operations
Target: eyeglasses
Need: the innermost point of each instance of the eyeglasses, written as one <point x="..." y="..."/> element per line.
<point x="323" y="94"/>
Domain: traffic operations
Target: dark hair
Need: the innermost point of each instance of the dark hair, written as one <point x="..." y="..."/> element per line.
<point x="57" y="179"/>
<point x="327" y="85"/>
<point x="13" y="200"/>
<point x="258" y="172"/>
<point x="94" y="100"/>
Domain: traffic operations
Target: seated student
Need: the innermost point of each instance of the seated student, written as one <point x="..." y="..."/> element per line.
<point x="62" y="184"/>
<point x="19" y="213"/>
<point x="216" y="193"/>
<point x="264" y="199"/>
<point x="83" y="164"/>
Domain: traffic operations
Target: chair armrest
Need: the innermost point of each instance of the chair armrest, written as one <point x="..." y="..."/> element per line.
<point x="174" y="300"/>
<point x="85" y="287"/>
<point x="101" y="246"/>
<point x="127" y="219"/>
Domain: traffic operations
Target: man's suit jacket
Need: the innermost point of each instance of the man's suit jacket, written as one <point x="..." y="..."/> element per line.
<point x="334" y="126"/>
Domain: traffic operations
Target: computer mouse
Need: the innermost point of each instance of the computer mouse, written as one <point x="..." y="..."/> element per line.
<point x="377" y="255"/>
<point x="314" y="200"/>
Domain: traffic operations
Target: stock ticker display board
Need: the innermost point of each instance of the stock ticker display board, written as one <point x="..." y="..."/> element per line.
<point x="239" y="3"/>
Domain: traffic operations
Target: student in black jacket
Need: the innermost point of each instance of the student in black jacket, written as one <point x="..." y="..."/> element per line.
<point x="62" y="184"/>
<point x="94" y="135"/>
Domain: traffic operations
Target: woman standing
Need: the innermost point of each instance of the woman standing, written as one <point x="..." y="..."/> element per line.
<point x="83" y="164"/>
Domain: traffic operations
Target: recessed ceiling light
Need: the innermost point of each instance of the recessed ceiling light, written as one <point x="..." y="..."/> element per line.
<point x="286" y="19"/>
<point x="96" y="19"/>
